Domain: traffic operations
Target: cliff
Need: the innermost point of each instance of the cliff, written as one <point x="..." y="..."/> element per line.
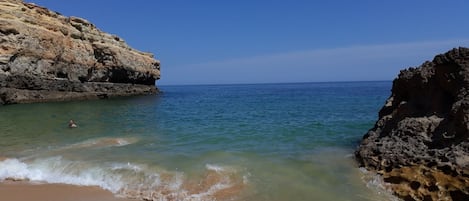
<point x="420" y="144"/>
<point x="45" y="56"/>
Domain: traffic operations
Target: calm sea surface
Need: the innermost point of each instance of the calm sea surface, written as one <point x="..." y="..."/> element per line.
<point x="261" y="142"/>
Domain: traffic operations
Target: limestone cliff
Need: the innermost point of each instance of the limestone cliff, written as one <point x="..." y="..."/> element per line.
<point x="420" y="144"/>
<point x="45" y="56"/>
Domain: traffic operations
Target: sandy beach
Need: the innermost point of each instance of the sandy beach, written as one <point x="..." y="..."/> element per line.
<point x="22" y="191"/>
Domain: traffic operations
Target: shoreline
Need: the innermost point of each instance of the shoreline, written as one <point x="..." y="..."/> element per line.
<point x="24" y="190"/>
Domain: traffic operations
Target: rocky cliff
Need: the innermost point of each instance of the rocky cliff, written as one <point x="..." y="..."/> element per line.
<point x="420" y="144"/>
<point x="45" y="56"/>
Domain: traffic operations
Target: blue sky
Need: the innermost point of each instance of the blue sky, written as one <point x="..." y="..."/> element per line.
<point x="242" y="41"/>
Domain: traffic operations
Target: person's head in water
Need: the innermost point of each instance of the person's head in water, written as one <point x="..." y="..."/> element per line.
<point x="72" y="124"/>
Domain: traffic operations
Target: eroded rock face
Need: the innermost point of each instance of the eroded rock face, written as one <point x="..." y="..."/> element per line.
<point x="420" y="144"/>
<point x="45" y="56"/>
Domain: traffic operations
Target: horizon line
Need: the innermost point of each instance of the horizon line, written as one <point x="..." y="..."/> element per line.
<point x="271" y="83"/>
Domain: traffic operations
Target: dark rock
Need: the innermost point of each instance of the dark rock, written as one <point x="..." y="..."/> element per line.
<point x="424" y="125"/>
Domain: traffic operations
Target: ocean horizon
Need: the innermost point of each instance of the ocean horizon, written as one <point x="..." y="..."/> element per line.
<point x="261" y="83"/>
<point x="267" y="141"/>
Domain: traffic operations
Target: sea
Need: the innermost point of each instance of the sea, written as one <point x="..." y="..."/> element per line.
<point x="254" y="142"/>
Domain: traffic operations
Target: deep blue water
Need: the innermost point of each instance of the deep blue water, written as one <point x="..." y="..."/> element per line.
<point x="279" y="119"/>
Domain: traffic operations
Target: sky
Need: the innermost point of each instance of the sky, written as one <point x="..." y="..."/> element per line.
<point x="277" y="41"/>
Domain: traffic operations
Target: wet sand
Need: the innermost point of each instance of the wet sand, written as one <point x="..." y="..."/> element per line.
<point x="22" y="191"/>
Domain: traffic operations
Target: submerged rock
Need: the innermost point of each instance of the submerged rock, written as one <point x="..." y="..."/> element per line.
<point x="45" y="56"/>
<point x="420" y="144"/>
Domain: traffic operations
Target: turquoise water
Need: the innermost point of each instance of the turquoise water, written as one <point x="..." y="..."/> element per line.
<point x="210" y="142"/>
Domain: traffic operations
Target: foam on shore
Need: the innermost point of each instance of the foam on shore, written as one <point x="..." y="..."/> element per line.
<point x="128" y="180"/>
<point x="377" y="184"/>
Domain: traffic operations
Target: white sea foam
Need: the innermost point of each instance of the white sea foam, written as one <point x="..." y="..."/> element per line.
<point x="215" y="168"/>
<point x="14" y="169"/>
<point x="56" y="170"/>
<point x="126" y="166"/>
<point x="376" y="182"/>
<point x="123" y="142"/>
<point x="124" y="179"/>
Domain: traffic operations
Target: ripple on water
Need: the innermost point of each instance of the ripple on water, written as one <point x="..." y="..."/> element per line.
<point x="102" y="142"/>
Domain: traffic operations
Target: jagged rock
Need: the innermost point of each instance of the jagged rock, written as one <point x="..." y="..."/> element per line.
<point x="420" y="144"/>
<point x="45" y="56"/>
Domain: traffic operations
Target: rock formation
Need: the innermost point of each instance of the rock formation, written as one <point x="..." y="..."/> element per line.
<point x="420" y="144"/>
<point x="45" y="56"/>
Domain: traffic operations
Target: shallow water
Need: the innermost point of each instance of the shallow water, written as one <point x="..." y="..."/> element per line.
<point x="212" y="142"/>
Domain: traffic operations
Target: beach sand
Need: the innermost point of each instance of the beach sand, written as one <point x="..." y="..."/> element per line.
<point x="23" y="191"/>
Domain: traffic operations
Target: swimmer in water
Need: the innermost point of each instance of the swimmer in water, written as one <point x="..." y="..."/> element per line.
<point x="72" y="124"/>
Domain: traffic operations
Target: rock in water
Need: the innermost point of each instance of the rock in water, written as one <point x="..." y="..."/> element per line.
<point x="45" y="56"/>
<point x="420" y="144"/>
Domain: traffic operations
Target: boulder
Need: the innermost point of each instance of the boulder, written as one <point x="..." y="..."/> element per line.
<point x="420" y="144"/>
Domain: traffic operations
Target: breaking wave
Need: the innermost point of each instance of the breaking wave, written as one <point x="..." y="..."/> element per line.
<point x="136" y="181"/>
